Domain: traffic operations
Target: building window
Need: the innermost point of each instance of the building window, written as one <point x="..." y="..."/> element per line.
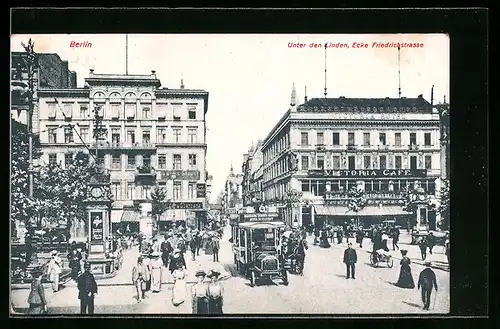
<point x="131" y="162"/>
<point x="192" y="191"/>
<point x="304" y="138"/>
<point x="116" y="190"/>
<point x="305" y="162"/>
<point x="336" y="162"/>
<point x="177" y="162"/>
<point x="192" y="160"/>
<point x="320" y="138"/>
<point x="146" y="160"/>
<point x="383" y="162"/>
<point x="192" y="113"/>
<point x="177" y="190"/>
<point x="131" y="137"/>
<point x="84" y="134"/>
<point x="146" y="137"/>
<point x="384" y="186"/>
<point x="130" y="191"/>
<point x="192" y="134"/>
<point x="52" y="135"/>
<point x="162" y="135"/>
<point x="366" y="139"/>
<point x="428" y="162"/>
<point x="320" y="162"/>
<point x="177" y="135"/>
<point x="84" y="111"/>
<point x="427" y="139"/>
<point x="335" y="139"/>
<point x="100" y="160"/>
<point x="53" y="158"/>
<point x="397" y="162"/>
<point x="146" y="192"/>
<point x="382" y="139"/>
<point x="115" y="136"/>
<point x="305" y="186"/>
<point x="366" y="162"/>
<point x="351" y="162"/>
<point x="68" y="110"/>
<point x="115" y="111"/>
<point x="130" y="110"/>
<point x="68" y="135"/>
<point x="397" y="139"/>
<point x="116" y="163"/>
<point x="162" y="161"/>
<point x="68" y="159"/>
<point x="413" y="162"/>
<point x="350" y="139"/>
<point x="413" y="139"/>
<point x="146" y="112"/>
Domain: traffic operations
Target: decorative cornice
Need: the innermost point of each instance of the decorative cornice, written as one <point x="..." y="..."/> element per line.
<point x="366" y="123"/>
<point x="83" y="92"/>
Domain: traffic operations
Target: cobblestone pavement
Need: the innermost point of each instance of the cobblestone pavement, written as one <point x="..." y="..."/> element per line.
<point x="323" y="289"/>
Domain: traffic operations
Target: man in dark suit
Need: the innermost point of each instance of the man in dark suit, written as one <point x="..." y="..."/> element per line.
<point x="427" y="280"/>
<point x="350" y="259"/>
<point x="87" y="289"/>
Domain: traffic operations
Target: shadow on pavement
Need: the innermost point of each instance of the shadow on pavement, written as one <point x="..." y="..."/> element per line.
<point x="411" y="304"/>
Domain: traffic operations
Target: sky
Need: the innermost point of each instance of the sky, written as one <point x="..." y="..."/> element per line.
<point x="249" y="77"/>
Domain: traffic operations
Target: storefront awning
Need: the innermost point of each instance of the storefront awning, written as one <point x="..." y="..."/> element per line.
<point x="173" y="215"/>
<point x="327" y="210"/>
<point x="130" y="216"/>
<point x="116" y="216"/>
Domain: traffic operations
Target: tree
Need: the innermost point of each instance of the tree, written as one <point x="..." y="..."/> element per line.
<point x="444" y="203"/>
<point x="356" y="199"/>
<point x="158" y="202"/>
<point x="19" y="184"/>
<point x="61" y="191"/>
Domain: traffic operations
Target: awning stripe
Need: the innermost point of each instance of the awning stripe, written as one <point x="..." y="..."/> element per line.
<point x="327" y="210"/>
<point x="130" y="216"/>
<point x="173" y="215"/>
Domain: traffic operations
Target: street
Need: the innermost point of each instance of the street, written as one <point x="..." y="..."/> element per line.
<point x="323" y="289"/>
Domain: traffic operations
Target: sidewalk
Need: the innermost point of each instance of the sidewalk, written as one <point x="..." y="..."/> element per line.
<point x="438" y="258"/>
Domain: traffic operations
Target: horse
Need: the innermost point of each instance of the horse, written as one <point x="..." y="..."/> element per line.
<point x="296" y="253"/>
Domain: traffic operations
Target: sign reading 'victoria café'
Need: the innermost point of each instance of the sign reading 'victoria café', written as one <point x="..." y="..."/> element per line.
<point x="357" y="173"/>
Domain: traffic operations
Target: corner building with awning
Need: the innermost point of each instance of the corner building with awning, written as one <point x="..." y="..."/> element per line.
<point x="325" y="146"/>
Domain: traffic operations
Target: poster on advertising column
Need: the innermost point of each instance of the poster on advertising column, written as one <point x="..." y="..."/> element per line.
<point x="96" y="226"/>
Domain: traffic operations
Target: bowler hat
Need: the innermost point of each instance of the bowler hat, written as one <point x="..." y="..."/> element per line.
<point x="86" y="266"/>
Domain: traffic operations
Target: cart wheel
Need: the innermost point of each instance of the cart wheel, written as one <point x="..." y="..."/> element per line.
<point x="285" y="278"/>
<point x="372" y="259"/>
<point x="390" y="262"/>
<point x="252" y="279"/>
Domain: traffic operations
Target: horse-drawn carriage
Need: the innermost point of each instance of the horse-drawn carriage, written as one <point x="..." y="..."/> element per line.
<point x="256" y="239"/>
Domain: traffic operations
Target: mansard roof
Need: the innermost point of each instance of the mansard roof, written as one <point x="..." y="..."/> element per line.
<point x="367" y="105"/>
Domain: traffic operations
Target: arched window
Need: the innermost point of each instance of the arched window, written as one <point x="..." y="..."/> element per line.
<point x="146" y="98"/>
<point x="130" y="97"/>
<point x="130" y="105"/>
<point x="99" y="97"/>
<point x="115" y="97"/>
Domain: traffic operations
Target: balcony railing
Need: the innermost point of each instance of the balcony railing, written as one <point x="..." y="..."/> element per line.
<point x="124" y="145"/>
<point x="145" y="171"/>
<point x="370" y="195"/>
<point x="413" y="147"/>
<point x="351" y="147"/>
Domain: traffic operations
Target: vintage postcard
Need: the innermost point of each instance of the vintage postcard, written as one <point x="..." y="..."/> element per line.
<point x="247" y="174"/>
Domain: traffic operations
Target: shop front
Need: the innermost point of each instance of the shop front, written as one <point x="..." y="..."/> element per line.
<point x="181" y="214"/>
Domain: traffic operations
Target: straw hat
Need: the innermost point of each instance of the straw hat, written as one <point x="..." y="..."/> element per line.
<point x="54" y="252"/>
<point x="213" y="273"/>
<point x="200" y="273"/>
<point x="155" y="254"/>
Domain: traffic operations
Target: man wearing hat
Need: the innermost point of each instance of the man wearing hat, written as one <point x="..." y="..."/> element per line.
<point x="215" y="293"/>
<point x="426" y="281"/>
<point x="350" y="259"/>
<point x="54" y="270"/>
<point x="87" y="289"/>
<point x="193" y="243"/>
<point x="177" y="260"/>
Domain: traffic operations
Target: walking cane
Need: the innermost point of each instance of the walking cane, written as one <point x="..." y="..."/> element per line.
<point x="434" y="301"/>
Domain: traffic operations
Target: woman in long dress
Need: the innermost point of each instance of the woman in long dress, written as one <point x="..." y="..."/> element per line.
<point x="36" y="299"/>
<point x="156" y="266"/>
<point x="215" y="293"/>
<point x="199" y="294"/>
<point x="179" y="289"/>
<point x="405" y="278"/>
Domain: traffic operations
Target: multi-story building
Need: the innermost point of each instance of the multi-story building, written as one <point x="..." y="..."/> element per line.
<point x="233" y="192"/>
<point x="52" y="73"/>
<point x="326" y="146"/>
<point x="154" y="136"/>
<point x="252" y="175"/>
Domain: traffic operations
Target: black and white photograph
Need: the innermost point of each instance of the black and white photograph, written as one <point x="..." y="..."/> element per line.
<point x="219" y="174"/>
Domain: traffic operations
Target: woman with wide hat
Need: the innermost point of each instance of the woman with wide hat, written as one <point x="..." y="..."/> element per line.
<point x="180" y="288"/>
<point x="36" y="299"/>
<point x="176" y="261"/>
<point x="405" y="278"/>
<point x="215" y="293"/>
<point x="156" y="265"/>
<point x="199" y="294"/>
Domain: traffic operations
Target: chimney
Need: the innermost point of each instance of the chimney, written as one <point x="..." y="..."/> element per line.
<point x="153" y="72"/>
<point x="91" y="71"/>
<point x="420" y="96"/>
<point x="305" y="94"/>
<point x="182" y="83"/>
